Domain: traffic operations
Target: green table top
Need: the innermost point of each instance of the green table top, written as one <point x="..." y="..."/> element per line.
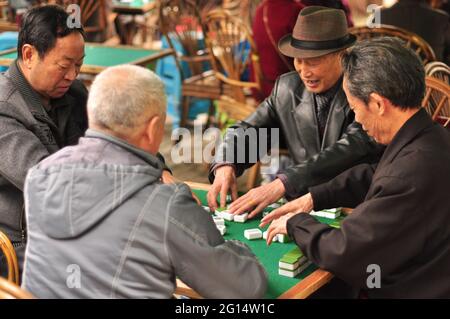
<point x="132" y="3"/>
<point x="103" y="56"/>
<point x="267" y="255"/>
<point x="133" y="6"/>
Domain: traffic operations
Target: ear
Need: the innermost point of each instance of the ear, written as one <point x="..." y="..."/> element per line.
<point x="29" y="55"/>
<point x="152" y="132"/>
<point x="378" y="102"/>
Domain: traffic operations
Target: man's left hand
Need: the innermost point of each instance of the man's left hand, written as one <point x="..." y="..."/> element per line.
<point x="258" y="198"/>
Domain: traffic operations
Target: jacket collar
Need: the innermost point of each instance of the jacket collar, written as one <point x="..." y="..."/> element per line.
<point x="307" y="121"/>
<point x="147" y="157"/>
<point x="408" y="132"/>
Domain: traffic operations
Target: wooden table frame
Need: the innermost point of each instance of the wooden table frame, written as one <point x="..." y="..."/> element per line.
<point x="302" y="290"/>
<point x="95" y="69"/>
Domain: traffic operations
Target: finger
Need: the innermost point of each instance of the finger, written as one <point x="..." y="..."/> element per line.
<point x="244" y="207"/>
<point x="257" y="210"/>
<point x="223" y="194"/>
<point x="212" y="198"/>
<point x="239" y="201"/>
<point x="265" y="221"/>
<point x="271" y="233"/>
<point x="283" y="210"/>
<point x="277" y="213"/>
<point x="234" y="192"/>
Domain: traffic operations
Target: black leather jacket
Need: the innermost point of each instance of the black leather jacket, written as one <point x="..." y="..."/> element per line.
<point x="290" y="108"/>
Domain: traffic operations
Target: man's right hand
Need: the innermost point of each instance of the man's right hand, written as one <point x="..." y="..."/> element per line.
<point x="225" y="180"/>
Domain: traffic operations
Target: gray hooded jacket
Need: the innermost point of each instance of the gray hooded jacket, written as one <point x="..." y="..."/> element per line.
<point x="101" y="224"/>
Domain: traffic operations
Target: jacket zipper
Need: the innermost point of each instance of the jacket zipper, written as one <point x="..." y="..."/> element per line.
<point x="23" y="232"/>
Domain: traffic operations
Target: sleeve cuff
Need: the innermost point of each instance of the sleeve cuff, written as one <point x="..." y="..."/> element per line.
<point x="289" y="190"/>
<point x="322" y="197"/>
<point x="297" y="219"/>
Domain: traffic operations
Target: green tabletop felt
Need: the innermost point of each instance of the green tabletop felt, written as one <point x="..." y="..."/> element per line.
<point x="133" y="4"/>
<point x="269" y="256"/>
<point x="105" y="56"/>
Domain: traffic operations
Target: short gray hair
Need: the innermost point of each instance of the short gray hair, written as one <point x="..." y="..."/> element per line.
<point x="385" y="66"/>
<point x="124" y="97"/>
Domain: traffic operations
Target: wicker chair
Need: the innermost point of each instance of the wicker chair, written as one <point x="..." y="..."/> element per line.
<point x="438" y="70"/>
<point x="9" y="290"/>
<point x="11" y="258"/>
<point x="181" y="25"/>
<point x="412" y="40"/>
<point x="231" y="45"/>
<point x="437" y="101"/>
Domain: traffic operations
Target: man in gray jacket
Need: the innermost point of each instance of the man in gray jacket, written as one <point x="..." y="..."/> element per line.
<point x="101" y="222"/>
<point x="42" y="109"/>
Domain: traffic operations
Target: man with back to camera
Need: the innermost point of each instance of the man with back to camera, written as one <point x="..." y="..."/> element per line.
<point x="101" y="206"/>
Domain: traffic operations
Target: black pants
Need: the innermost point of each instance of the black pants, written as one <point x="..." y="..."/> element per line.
<point x="19" y="247"/>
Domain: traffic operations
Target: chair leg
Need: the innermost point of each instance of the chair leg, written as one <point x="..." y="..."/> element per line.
<point x="253" y="175"/>
<point x="211" y="114"/>
<point x="184" y="111"/>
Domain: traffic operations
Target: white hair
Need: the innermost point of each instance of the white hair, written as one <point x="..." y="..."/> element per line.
<point x="124" y="97"/>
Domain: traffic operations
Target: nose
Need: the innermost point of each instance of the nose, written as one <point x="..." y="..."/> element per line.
<point x="302" y="68"/>
<point x="72" y="73"/>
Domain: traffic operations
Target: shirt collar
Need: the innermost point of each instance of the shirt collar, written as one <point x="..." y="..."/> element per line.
<point x="331" y="92"/>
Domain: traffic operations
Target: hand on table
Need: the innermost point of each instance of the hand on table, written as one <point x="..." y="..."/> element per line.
<point x="302" y="204"/>
<point x="278" y="226"/>
<point x="224" y="181"/>
<point x="255" y="200"/>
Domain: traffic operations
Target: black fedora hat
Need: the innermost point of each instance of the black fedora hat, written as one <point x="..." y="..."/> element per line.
<point x="317" y="32"/>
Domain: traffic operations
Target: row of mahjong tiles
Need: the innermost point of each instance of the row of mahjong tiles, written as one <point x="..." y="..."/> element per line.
<point x="293" y="262"/>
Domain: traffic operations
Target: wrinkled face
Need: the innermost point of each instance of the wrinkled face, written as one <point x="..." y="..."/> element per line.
<point x="321" y="73"/>
<point x="52" y="76"/>
<point x="368" y="115"/>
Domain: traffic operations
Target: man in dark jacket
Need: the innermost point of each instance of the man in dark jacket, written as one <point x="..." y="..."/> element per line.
<point x="42" y="108"/>
<point x="395" y="243"/>
<point x="311" y="112"/>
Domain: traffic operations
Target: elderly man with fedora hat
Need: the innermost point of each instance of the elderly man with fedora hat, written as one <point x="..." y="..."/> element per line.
<point x="309" y="108"/>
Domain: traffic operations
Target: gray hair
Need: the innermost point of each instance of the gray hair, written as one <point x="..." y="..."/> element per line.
<point x="124" y="97"/>
<point x="385" y="66"/>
